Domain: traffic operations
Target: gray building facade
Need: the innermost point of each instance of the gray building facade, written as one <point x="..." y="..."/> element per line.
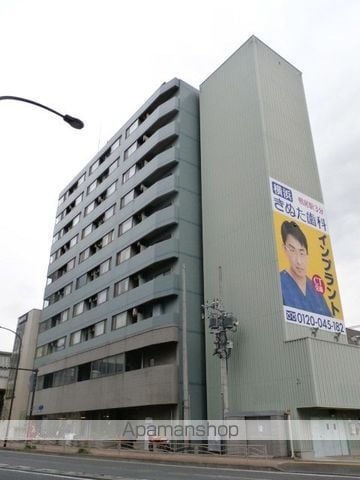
<point x="109" y="343"/>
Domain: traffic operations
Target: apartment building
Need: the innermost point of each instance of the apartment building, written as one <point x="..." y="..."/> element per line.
<point x="127" y="226"/>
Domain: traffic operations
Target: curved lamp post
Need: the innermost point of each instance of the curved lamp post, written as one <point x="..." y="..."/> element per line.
<point x="74" y="122"/>
<point x="15" y="378"/>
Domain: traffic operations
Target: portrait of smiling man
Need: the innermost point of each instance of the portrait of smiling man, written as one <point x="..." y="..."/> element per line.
<point x="297" y="289"/>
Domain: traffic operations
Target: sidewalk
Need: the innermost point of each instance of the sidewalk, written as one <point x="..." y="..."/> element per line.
<point x="328" y="465"/>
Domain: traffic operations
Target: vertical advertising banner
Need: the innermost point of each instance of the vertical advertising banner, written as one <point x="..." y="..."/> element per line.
<point x="309" y="287"/>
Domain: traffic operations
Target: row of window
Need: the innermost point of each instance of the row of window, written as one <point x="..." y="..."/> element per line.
<point x="67" y="267"/>
<point x="100" y="198"/>
<point x="94" y="167"/>
<point x="93" y="249"/>
<point x="66" y="228"/>
<point x="122" y="362"/>
<point x="119" y="320"/>
<point x="72" y="189"/>
<point x="97" y="201"/>
<point x="85" y="334"/>
<point x="69" y="208"/>
<point x="100" y="269"/>
<point x="129" y="151"/>
<point x="126" y="199"/>
<point x="58" y="295"/>
<point x="120" y="287"/>
<point x="128" y="224"/>
<point x="98" y="368"/>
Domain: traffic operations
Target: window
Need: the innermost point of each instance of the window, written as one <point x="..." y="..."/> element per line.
<point x="111" y="189"/>
<point x="58" y="378"/>
<point x="88" y="333"/>
<point x="70" y="375"/>
<point x="99" y="328"/>
<point x="102" y="296"/>
<point x="132" y="128"/>
<point x="92" y="186"/>
<point x="81" y="179"/>
<point x="60" y="344"/>
<point x="108" y="238"/>
<point x="61" y="271"/>
<point x="93" y="273"/>
<point x="113" y="166"/>
<point x="84" y="255"/>
<point x="127" y="198"/>
<point x="100" y="160"/>
<point x="91" y="302"/>
<point x="52" y="347"/>
<point x="105" y="266"/>
<point x="100" y="198"/>
<point x="123" y="255"/>
<point x="89" y="208"/>
<point x="76" y="220"/>
<point x="48" y="380"/>
<point x="129" y="173"/>
<point x="115" y="145"/>
<point x="87" y="230"/>
<point x="130" y="150"/>
<point x="58" y="295"/>
<point x="121" y="287"/>
<point x="54" y="320"/>
<point x="83" y="372"/>
<point x="98" y="245"/>
<point x="119" y="320"/>
<point x="98" y="221"/>
<point x="109" y="212"/>
<point x="125" y="226"/>
<point x="78" y="308"/>
<point x="78" y="199"/>
<point x="73" y="241"/>
<point x="75" y="337"/>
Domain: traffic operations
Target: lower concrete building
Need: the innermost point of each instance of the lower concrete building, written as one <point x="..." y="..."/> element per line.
<point x="4" y="374"/>
<point x="19" y="386"/>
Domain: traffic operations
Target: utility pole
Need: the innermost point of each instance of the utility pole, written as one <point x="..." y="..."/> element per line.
<point x="221" y="323"/>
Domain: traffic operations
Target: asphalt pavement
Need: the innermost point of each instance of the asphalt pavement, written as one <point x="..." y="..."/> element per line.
<point x="52" y="461"/>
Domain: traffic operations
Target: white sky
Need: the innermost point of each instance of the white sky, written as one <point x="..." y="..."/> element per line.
<point x="101" y="59"/>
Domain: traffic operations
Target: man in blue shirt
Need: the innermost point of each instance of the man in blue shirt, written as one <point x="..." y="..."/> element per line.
<point x="297" y="289"/>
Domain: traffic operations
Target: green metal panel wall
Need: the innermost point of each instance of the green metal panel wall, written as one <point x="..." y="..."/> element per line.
<point x="254" y="124"/>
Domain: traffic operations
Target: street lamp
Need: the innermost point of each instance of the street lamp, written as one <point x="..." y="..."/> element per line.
<point x="15" y="378"/>
<point x="74" y="122"/>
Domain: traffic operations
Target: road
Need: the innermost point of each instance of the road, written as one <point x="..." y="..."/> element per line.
<point x="36" y="466"/>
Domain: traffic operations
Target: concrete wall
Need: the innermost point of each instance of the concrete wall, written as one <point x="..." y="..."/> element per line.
<point x="27" y="328"/>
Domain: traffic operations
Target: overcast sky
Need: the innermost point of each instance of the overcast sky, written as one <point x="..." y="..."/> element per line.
<point x="100" y="60"/>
